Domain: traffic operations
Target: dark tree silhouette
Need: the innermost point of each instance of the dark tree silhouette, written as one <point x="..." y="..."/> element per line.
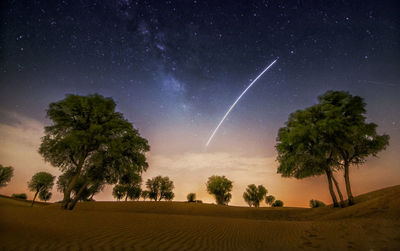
<point x="145" y="194"/>
<point x="119" y="192"/>
<point x="254" y="194"/>
<point x="277" y="203"/>
<point x="93" y="142"/>
<point x="133" y="192"/>
<point x="41" y="182"/>
<point x="19" y="196"/>
<point x="316" y="203"/>
<point x="269" y="199"/>
<point x="160" y="188"/>
<point x="220" y="187"/>
<point x="191" y="197"/>
<point x="45" y="195"/>
<point x="6" y="173"/>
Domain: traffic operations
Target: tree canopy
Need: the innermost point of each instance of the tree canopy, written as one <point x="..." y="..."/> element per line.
<point x="220" y="187"/>
<point x="160" y="188"/>
<point x="41" y="182"/>
<point x="269" y="199"/>
<point x="326" y="137"/>
<point x="6" y="173"/>
<point x="254" y="194"/>
<point x="91" y="141"/>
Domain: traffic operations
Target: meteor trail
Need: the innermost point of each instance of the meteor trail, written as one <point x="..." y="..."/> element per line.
<point x="237" y="100"/>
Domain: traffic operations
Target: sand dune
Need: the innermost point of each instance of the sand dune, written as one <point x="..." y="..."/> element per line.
<point x="372" y="224"/>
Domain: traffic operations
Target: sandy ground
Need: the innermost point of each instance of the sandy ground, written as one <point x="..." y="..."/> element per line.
<point x="372" y="224"/>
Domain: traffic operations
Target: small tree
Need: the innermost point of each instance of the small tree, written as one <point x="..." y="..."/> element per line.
<point x="253" y="195"/>
<point x="191" y="197"/>
<point x="220" y="187"/>
<point x="160" y="188"/>
<point x="169" y="196"/>
<point x="133" y="192"/>
<point x="269" y="200"/>
<point x="277" y="203"/>
<point x="119" y="191"/>
<point x="19" y="196"/>
<point x="6" y="174"/>
<point x="316" y="203"/>
<point x="45" y="195"/>
<point x="41" y="181"/>
<point x="145" y="194"/>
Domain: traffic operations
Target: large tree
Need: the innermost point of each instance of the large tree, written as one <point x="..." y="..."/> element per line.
<point x="6" y="173"/>
<point x="328" y="136"/>
<point x="351" y="137"/>
<point x="302" y="150"/>
<point x="160" y="188"/>
<point x="254" y="194"/>
<point x="91" y="141"/>
<point x="221" y="188"/>
<point x="41" y="182"/>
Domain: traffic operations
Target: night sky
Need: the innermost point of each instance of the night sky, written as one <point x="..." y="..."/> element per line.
<point x="175" y="67"/>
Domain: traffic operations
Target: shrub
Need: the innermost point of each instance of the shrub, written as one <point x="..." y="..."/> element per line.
<point x="316" y="203"/>
<point x="191" y="197"/>
<point x="277" y="203"/>
<point x="19" y="196"/>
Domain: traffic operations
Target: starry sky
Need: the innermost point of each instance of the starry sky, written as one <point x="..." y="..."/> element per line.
<point x="175" y="67"/>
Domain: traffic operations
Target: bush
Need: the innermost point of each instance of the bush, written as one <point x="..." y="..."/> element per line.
<point x="19" y="196"/>
<point x="316" y="203"/>
<point x="191" y="197"/>
<point x="277" y="203"/>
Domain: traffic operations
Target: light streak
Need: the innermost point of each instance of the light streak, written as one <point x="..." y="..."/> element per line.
<point x="237" y="100"/>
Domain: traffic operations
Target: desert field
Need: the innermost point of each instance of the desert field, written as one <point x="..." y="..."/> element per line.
<point x="372" y="224"/>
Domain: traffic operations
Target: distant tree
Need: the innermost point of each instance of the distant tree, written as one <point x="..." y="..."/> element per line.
<point x="277" y="203"/>
<point x="119" y="191"/>
<point x="220" y="187"/>
<point x="133" y="192"/>
<point x="41" y="182"/>
<point x="253" y="195"/>
<point x="6" y="173"/>
<point x="45" y="195"/>
<point x="160" y="188"/>
<point x="349" y="136"/>
<point x="191" y="197"/>
<point x="168" y="196"/>
<point x="92" y="142"/>
<point x="145" y="195"/>
<point x="316" y="203"/>
<point x="19" y="196"/>
<point x="269" y="199"/>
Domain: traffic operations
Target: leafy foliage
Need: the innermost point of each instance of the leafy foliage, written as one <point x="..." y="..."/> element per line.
<point x="191" y="197"/>
<point x="277" y="203"/>
<point x="220" y="187"/>
<point x="269" y="199"/>
<point x="90" y="141"/>
<point x="254" y="194"/>
<point x="6" y="173"/>
<point x="41" y="182"/>
<point x="145" y="194"/>
<point x="45" y="195"/>
<point x="316" y="203"/>
<point x="119" y="192"/>
<point x="160" y="188"/>
<point x="19" y="196"/>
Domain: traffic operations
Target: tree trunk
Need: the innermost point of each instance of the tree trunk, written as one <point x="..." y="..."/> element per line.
<point x="67" y="192"/>
<point x="77" y="196"/>
<point x="338" y="191"/>
<point x="126" y="198"/>
<point x="334" y="199"/>
<point x="34" y="198"/>
<point x="347" y="180"/>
